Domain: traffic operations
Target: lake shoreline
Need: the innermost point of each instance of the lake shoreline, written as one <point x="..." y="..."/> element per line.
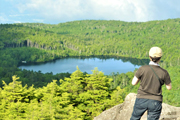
<point x="82" y="57"/>
<point x="106" y="64"/>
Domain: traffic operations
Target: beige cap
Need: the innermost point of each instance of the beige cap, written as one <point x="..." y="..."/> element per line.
<point x="155" y="52"/>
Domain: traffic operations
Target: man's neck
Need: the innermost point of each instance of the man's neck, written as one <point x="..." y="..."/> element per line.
<point x="153" y="63"/>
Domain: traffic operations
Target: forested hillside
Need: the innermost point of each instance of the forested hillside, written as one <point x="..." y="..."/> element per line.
<point x="37" y="42"/>
<point x="131" y="39"/>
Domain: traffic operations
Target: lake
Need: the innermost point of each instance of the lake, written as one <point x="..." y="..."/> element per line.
<point x="86" y="64"/>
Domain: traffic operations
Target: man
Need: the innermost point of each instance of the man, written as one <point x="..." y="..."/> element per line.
<point x="149" y="96"/>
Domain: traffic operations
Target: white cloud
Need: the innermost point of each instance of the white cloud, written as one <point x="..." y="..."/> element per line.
<point x="126" y="10"/>
<point x="38" y="20"/>
<point x="3" y="19"/>
<point x="18" y="15"/>
<point x="17" y="21"/>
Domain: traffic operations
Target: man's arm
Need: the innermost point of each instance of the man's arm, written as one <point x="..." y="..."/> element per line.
<point x="135" y="80"/>
<point x="169" y="86"/>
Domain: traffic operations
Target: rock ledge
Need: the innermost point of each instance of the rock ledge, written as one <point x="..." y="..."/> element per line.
<point x="123" y="111"/>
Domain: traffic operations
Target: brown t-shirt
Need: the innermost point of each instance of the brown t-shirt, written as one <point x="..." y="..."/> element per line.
<point x="150" y="87"/>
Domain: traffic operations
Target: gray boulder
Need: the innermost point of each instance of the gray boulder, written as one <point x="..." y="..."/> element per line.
<point x="123" y="111"/>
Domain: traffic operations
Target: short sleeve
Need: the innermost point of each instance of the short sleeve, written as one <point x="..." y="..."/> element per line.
<point x="138" y="73"/>
<point x="167" y="79"/>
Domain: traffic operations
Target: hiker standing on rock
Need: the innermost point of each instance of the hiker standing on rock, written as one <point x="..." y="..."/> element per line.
<point x="149" y="96"/>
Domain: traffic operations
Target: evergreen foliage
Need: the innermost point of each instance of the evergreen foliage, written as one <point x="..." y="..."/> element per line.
<point x="78" y="95"/>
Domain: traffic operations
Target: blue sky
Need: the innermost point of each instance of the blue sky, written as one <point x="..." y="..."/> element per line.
<point x="58" y="11"/>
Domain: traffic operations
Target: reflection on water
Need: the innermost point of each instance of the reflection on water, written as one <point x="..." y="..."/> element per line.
<point x="86" y="64"/>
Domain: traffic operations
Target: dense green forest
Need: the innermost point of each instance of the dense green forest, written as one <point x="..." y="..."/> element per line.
<point x="34" y="95"/>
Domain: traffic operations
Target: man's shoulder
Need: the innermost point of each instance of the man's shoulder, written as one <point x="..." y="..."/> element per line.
<point x="147" y="67"/>
<point x="159" y="68"/>
<point x="144" y="66"/>
<point x="164" y="70"/>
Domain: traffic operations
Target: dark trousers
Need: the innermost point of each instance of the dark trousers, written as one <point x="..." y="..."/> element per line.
<point x="153" y="108"/>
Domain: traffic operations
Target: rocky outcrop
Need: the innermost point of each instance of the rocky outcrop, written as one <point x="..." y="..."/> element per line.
<point x="123" y="111"/>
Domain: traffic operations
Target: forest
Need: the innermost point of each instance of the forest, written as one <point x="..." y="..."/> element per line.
<point x="33" y="95"/>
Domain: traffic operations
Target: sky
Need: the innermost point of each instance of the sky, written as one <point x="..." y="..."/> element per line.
<point x="60" y="11"/>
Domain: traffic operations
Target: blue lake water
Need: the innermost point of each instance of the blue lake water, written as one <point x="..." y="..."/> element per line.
<point x="107" y="66"/>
